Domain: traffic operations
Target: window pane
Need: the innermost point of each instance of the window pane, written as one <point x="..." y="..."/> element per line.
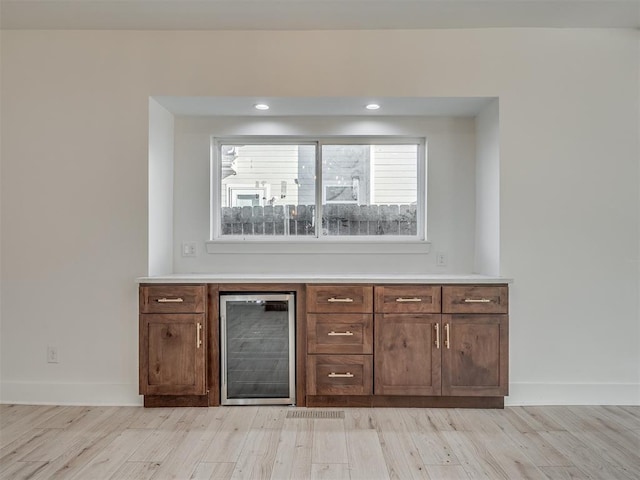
<point x="369" y="189"/>
<point x="267" y="190"/>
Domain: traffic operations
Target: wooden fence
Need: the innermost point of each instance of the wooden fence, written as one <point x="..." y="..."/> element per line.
<point x="337" y="219"/>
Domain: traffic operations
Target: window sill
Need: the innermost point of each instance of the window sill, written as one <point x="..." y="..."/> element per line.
<point x="319" y="247"/>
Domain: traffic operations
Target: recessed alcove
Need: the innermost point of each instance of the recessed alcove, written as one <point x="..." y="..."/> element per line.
<point x="462" y="189"/>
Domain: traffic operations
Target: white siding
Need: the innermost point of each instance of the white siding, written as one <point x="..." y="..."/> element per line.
<point x="394" y="174"/>
<point x="270" y="164"/>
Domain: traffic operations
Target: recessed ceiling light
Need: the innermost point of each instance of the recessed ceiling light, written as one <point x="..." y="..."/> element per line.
<point x="372" y="106"/>
<point x="261" y="106"/>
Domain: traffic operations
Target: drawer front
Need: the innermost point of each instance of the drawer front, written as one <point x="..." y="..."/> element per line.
<point x="475" y="299"/>
<point x="173" y="299"/>
<point x="339" y="375"/>
<point x="408" y="299"/>
<point x="339" y="298"/>
<point x="340" y="333"/>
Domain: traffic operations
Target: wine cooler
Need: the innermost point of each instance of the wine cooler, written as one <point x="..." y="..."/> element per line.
<point x="257" y="336"/>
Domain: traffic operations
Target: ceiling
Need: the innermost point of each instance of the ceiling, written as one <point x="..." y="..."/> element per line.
<point x="315" y="14"/>
<point x="325" y="106"/>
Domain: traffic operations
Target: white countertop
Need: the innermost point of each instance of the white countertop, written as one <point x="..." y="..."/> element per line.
<point x="323" y="278"/>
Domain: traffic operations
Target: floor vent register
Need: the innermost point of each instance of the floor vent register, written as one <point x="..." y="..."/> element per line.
<point x="315" y="414"/>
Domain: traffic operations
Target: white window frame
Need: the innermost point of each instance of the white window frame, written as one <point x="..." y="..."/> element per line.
<point x="224" y="244"/>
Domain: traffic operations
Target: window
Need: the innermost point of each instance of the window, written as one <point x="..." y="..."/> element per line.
<point x="338" y="188"/>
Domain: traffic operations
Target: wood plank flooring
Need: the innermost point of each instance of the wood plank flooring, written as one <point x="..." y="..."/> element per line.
<point x="119" y="443"/>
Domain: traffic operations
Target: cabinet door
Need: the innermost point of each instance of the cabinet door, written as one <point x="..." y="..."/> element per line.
<point x="475" y="355"/>
<point x="172" y="354"/>
<point x="407" y="354"/>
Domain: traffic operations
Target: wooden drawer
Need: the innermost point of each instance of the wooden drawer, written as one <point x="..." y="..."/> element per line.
<point x="407" y="299"/>
<point x="339" y="298"/>
<point x="173" y="298"/>
<point x="475" y="299"/>
<point x="339" y="375"/>
<point x="340" y="333"/>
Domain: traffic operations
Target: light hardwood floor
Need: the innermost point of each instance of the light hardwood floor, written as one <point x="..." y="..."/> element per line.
<point x="86" y="443"/>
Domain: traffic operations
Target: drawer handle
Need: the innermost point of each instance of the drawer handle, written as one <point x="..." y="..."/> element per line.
<point x="414" y="299"/>
<point x="340" y="300"/>
<point x="477" y="300"/>
<point x="340" y="375"/>
<point x="170" y="300"/>
<point x="340" y="334"/>
<point x="437" y="327"/>
<point x="198" y="338"/>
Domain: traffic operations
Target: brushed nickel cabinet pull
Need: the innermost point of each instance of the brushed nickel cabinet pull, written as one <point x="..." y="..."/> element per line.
<point x="340" y="375"/>
<point x="477" y="300"/>
<point x="170" y="300"/>
<point x="414" y="299"/>
<point x="447" y="342"/>
<point x="198" y="338"/>
<point x="340" y="334"/>
<point x="437" y="327"/>
<point x="340" y="300"/>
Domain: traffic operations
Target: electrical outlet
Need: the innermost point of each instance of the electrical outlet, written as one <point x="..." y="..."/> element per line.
<point x="441" y="259"/>
<point x="52" y="354"/>
<point x="189" y="249"/>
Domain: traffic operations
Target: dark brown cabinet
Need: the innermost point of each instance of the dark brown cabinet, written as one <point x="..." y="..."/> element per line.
<point x="404" y="345"/>
<point x="339" y="340"/>
<point x="463" y="352"/>
<point x="173" y="339"/>
<point x="173" y="354"/>
<point x="475" y="358"/>
<point x="407" y="354"/>
<point x="475" y="354"/>
<point x="407" y="340"/>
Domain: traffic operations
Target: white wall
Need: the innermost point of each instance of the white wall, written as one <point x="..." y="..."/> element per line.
<point x="569" y="218"/>
<point x="487" y="235"/>
<point x="75" y="165"/>
<point x="451" y="194"/>
<point x="160" y="204"/>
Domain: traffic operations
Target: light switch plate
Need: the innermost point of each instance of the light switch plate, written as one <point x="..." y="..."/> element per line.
<point x="189" y="249"/>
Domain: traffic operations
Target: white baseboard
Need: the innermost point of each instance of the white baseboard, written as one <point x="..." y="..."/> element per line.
<point x="38" y="393"/>
<point x="573" y="394"/>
